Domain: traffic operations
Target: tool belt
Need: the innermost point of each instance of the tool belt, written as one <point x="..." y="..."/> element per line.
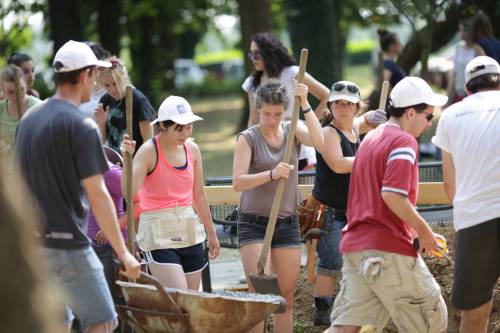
<point x="169" y="228"/>
<point x="311" y="214"/>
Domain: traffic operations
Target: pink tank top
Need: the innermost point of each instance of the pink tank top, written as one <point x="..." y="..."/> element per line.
<point x="166" y="186"/>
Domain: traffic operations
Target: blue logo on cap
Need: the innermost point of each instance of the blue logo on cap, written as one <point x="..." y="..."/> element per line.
<point x="181" y="108"/>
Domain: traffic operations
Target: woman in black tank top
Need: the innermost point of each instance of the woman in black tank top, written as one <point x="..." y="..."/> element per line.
<point x="335" y="158"/>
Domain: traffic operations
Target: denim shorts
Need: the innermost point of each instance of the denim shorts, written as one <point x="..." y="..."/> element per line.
<point x="252" y="229"/>
<point x="192" y="259"/>
<point x="330" y="259"/>
<point x="80" y="273"/>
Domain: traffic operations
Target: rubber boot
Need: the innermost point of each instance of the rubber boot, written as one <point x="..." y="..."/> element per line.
<point x="323" y="310"/>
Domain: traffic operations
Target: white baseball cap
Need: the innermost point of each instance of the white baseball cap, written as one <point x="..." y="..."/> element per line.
<point x="480" y="66"/>
<point x="178" y="110"/>
<point x="344" y="90"/>
<point x="76" y="55"/>
<point x="413" y="91"/>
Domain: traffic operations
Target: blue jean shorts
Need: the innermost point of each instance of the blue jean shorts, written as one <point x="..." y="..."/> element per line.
<point x="330" y="259"/>
<point x="252" y="229"/>
<point x="80" y="274"/>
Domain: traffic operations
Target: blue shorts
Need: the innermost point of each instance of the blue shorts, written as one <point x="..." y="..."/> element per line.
<point x="252" y="229"/>
<point x="330" y="259"/>
<point x="80" y="273"/>
<point x="192" y="259"/>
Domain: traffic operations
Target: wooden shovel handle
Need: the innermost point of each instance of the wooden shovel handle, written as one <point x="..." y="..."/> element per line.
<point x="290" y="140"/>
<point x="311" y="261"/>
<point x="383" y="95"/>
<point x="17" y="88"/>
<point x="128" y="167"/>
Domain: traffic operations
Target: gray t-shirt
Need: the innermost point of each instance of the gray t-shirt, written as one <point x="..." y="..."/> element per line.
<point x="57" y="147"/>
<point x="259" y="200"/>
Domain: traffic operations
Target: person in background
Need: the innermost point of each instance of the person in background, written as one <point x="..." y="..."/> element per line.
<point x="391" y="48"/>
<point x="110" y="113"/>
<point x="469" y="137"/>
<point x="465" y="51"/>
<point x="341" y="130"/>
<point x="24" y="61"/>
<point x="257" y="169"/>
<point x="9" y="117"/>
<point x="89" y="107"/>
<point x="271" y="60"/>
<point x="482" y="34"/>
<point x="168" y="175"/>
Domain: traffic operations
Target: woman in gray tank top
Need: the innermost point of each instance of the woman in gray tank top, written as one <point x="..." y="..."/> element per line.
<point x="256" y="168"/>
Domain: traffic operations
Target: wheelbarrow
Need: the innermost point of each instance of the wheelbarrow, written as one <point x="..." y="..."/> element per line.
<point x="152" y="308"/>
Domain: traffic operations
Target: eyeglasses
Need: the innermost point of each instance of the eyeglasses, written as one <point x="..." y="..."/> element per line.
<point x="350" y="88"/>
<point x="254" y="55"/>
<point x="428" y="116"/>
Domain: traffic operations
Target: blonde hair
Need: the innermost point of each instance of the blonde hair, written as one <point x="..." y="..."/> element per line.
<point x="118" y="72"/>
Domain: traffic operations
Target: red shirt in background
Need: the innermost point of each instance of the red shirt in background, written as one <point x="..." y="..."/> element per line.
<point x="387" y="161"/>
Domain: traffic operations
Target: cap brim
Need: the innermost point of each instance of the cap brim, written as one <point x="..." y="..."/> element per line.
<point x="349" y="98"/>
<point x="436" y="100"/>
<point x="181" y="120"/>
<point x="102" y="63"/>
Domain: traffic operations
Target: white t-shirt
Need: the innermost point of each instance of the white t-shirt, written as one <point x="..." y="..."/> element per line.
<point x="470" y="132"/>
<point x="463" y="55"/>
<point x="286" y="77"/>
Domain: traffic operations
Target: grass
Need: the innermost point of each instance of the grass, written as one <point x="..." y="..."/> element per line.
<point x="216" y="133"/>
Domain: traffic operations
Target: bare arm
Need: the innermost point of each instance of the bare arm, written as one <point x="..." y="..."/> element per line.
<point x="146" y="130"/>
<point x="332" y="152"/>
<point x="200" y="202"/>
<point x="101" y="116"/>
<point x="479" y="51"/>
<point x="252" y="118"/>
<point x="402" y="207"/>
<point x="242" y="180"/>
<point x="104" y="211"/>
<point x="318" y="90"/>
<point x="361" y="125"/>
<point x="309" y="134"/>
<point x="448" y="175"/>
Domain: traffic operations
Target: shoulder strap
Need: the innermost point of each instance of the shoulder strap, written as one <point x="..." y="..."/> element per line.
<point x="156" y="153"/>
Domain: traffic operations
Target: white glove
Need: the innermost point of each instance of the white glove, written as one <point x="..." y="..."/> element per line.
<point x="375" y="117"/>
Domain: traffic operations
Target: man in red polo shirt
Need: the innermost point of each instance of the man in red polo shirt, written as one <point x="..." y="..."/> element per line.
<point x="383" y="275"/>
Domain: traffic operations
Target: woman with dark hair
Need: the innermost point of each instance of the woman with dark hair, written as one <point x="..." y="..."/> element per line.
<point x="272" y="60"/>
<point x="482" y="34"/>
<point x="24" y="61"/>
<point x="257" y="169"/>
<point x="391" y="48"/>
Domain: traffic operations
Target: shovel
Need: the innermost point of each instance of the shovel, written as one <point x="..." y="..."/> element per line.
<point x="19" y="99"/>
<point x="268" y="284"/>
<point x="128" y="162"/>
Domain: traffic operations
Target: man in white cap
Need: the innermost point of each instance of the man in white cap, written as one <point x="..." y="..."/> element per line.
<point x="60" y="155"/>
<point x="469" y="136"/>
<point x="383" y="274"/>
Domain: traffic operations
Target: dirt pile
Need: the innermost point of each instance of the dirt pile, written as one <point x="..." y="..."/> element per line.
<point x="441" y="268"/>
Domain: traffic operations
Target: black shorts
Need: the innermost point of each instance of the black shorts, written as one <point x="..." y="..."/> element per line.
<point x="252" y="229"/>
<point x="192" y="259"/>
<point x="477" y="264"/>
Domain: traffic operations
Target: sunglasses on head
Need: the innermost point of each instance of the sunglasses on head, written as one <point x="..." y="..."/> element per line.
<point x="350" y="88"/>
<point x="255" y="55"/>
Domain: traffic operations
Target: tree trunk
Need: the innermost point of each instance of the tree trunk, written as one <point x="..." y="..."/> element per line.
<point x="108" y="24"/>
<point x="64" y="22"/>
<point x="255" y="16"/>
<point x="327" y="48"/>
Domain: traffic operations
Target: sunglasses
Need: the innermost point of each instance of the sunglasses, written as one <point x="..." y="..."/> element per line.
<point x="429" y="117"/>
<point x="254" y="55"/>
<point x="350" y="88"/>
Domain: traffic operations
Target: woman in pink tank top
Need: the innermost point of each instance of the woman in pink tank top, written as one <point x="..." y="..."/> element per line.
<point x="168" y="175"/>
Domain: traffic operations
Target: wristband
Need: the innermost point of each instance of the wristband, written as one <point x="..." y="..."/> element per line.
<point x="307" y="110"/>
<point x="271" y="174"/>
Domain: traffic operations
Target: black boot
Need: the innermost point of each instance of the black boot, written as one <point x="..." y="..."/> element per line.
<point x="323" y="309"/>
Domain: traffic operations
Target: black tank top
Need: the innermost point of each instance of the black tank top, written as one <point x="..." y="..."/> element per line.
<point x="329" y="187"/>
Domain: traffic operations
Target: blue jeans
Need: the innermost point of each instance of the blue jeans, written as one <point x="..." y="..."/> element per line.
<point x="80" y="274"/>
<point x="330" y="259"/>
<point x="252" y="229"/>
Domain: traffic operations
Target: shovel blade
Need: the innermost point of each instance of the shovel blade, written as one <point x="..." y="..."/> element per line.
<point x="267" y="284"/>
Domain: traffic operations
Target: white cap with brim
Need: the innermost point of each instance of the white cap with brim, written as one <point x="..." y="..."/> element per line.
<point x="344" y="93"/>
<point x="480" y="66"/>
<point x="76" y="55"/>
<point x="412" y="91"/>
<point x="176" y="109"/>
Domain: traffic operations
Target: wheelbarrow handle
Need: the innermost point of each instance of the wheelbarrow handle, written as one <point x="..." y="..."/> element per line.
<point x="154" y="281"/>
